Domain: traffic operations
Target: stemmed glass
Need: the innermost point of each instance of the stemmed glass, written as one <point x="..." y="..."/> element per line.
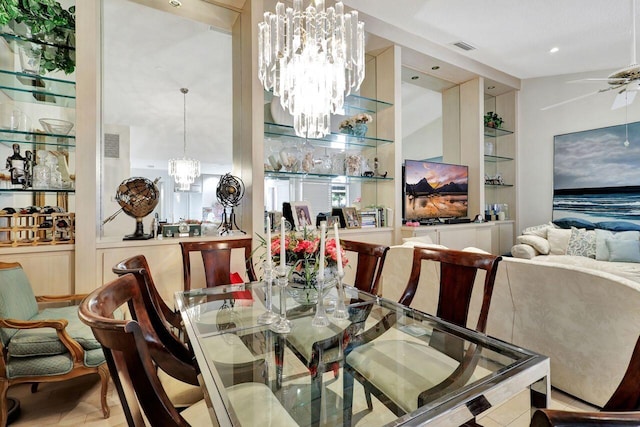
<point x="320" y="318"/>
<point x="341" y="310"/>
<point x="269" y="316"/>
<point x="283" y="325"/>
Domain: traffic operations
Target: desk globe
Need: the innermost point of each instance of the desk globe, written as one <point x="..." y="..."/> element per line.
<point x="138" y="197"/>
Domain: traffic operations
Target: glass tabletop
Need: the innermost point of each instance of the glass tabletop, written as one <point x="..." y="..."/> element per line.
<point x="310" y="371"/>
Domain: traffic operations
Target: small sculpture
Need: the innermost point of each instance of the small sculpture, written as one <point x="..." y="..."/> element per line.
<point x="17" y="165"/>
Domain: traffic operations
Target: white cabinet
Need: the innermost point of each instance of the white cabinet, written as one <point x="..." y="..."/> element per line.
<point x="502" y="237"/>
<point x="455" y="236"/>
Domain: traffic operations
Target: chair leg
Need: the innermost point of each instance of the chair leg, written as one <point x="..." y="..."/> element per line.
<point x="103" y="371"/>
<point x="347" y="397"/>
<point x="4" y="404"/>
<point x="34" y="387"/>
<point x="316" y="398"/>
<point x="367" y="396"/>
<point x="279" y="356"/>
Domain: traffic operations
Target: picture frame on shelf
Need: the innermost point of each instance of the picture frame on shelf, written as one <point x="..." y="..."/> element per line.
<point x="351" y="217"/>
<point x="333" y="219"/>
<point x="302" y="215"/>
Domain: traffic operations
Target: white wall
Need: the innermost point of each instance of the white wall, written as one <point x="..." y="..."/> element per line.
<point x="537" y="128"/>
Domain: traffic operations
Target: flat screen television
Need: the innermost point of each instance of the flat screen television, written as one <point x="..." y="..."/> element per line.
<point x="434" y="190"/>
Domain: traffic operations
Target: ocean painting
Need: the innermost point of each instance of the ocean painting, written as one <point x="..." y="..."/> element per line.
<point x="596" y="175"/>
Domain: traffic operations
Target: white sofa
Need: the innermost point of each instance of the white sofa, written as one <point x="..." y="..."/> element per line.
<point x="586" y="320"/>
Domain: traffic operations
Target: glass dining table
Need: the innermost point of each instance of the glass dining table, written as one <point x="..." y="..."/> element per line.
<point x="306" y="369"/>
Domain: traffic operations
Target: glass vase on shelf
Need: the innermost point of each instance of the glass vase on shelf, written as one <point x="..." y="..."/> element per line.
<point x="352" y="164"/>
<point x="291" y="158"/>
<point x="360" y="130"/>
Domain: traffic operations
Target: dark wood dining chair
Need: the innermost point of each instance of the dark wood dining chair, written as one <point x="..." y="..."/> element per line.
<point x="371" y="259"/>
<point x="622" y="409"/>
<point x="458" y="270"/>
<point x="128" y="349"/>
<point x="216" y="257"/>
<point x="134" y="265"/>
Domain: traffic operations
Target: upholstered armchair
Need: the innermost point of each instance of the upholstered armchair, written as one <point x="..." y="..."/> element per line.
<point x="43" y="346"/>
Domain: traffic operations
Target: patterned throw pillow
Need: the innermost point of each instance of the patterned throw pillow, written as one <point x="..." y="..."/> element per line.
<point x="582" y="243"/>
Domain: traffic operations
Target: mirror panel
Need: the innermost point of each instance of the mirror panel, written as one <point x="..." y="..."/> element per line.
<point x="150" y="51"/>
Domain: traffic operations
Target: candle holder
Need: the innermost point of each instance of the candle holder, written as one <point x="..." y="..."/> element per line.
<point x="283" y="325"/>
<point x="269" y="316"/>
<point x="320" y="318"/>
<point x="341" y="310"/>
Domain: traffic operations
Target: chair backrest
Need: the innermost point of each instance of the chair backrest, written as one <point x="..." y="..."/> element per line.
<point x="139" y="262"/>
<point x="17" y="300"/>
<point x="371" y="259"/>
<point x="128" y="353"/>
<point x="216" y="256"/>
<point x="166" y="349"/>
<point x="627" y="395"/>
<point x="457" y="276"/>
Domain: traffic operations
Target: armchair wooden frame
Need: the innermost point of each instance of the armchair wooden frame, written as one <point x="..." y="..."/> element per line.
<point x="216" y="256"/>
<point x="371" y="259"/>
<point x="616" y="412"/>
<point x="75" y="350"/>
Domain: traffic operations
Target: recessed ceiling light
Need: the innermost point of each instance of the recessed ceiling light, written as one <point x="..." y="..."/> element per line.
<point x="554" y="49"/>
<point x="435" y="67"/>
<point x="175" y="3"/>
<point x="415" y="77"/>
<point x="490" y="87"/>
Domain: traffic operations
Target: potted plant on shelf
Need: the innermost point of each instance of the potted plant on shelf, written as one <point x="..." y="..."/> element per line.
<point x="44" y="21"/>
<point x="492" y="120"/>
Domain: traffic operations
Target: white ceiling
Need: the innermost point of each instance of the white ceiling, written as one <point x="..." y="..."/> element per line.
<point x="515" y="36"/>
<point x="150" y="54"/>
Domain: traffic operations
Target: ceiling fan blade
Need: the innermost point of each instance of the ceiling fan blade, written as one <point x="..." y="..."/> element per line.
<point x="623" y="99"/>
<point x="603" y="79"/>
<point x="569" y="100"/>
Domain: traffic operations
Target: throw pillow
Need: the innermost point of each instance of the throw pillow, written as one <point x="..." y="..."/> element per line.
<point x="558" y="240"/>
<point x="421" y="239"/>
<point x="538" y="230"/>
<point x="623" y="250"/>
<point x="524" y="251"/>
<point x="574" y="222"/>
<point x="602" y="252"/>
<point x="582" y="243"/>
<point x="540" y="244"/>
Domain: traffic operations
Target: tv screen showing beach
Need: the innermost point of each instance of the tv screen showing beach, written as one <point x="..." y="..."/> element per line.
<point x="434" y="190"/>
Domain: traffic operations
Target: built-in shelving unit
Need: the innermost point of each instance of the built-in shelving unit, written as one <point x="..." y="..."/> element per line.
<point x="36" y="96"/>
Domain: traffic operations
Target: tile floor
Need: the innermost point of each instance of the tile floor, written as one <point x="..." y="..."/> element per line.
<point x="77" y="402"/>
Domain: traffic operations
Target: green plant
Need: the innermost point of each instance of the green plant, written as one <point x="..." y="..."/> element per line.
<point x="46" y="21"/>
<point x="492" y="120"/>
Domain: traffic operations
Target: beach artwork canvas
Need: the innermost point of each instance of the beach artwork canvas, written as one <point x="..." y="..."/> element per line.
<point x="596" y="175"/>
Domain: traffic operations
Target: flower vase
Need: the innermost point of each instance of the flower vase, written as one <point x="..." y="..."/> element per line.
<point x="360" y="130"/>
<point x="304" y="290"/>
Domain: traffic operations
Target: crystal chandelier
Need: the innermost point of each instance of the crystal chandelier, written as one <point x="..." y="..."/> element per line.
<point x="311" y="59"/>
<point x="184" y="171"/>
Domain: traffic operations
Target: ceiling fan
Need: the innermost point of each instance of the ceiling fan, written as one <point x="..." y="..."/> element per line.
<point x="626" y="79"/>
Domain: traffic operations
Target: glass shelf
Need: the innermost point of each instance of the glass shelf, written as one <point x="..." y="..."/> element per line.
<point x="13" y="39"/>
<point x="323" y="176"/>
<point x="498" y="185"/>
<point x="496" y="132"/>
<point x="353" y="104"/>
<point x="37" y="190"/>
<point x="24" y="87"/>
<point x="495" y="159"/>
<point x="332" y="140"/>
<point x="33" y="139"/>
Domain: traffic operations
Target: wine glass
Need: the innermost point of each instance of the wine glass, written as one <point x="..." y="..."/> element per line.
<point x="269" y="316"/>
<point x="283" y="325"/>
<point x="320" y="318"/>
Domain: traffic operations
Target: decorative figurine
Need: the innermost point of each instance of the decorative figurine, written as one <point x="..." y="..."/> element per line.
<point x="17" y="165"/>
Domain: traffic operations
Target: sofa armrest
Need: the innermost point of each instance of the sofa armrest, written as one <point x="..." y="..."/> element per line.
<point x="60" y="298"/>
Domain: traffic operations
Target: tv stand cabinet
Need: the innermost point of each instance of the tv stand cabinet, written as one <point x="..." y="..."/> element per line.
<point x="455" y="236"/>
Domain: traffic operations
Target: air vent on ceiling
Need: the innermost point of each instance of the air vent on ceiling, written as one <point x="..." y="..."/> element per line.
<point x="464" y="45"/>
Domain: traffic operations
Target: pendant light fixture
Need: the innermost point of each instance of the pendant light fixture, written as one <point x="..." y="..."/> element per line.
<point x="184" y="171"/>
<point x="311" y="58"/>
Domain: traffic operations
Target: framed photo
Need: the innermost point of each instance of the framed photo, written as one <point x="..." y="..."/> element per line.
<point x="333" y="219"/>
<point x="351" y="217"/>
<point x="302" y="215"/>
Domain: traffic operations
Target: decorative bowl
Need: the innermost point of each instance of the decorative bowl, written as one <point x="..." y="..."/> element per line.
<point x="56" y="126"/>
